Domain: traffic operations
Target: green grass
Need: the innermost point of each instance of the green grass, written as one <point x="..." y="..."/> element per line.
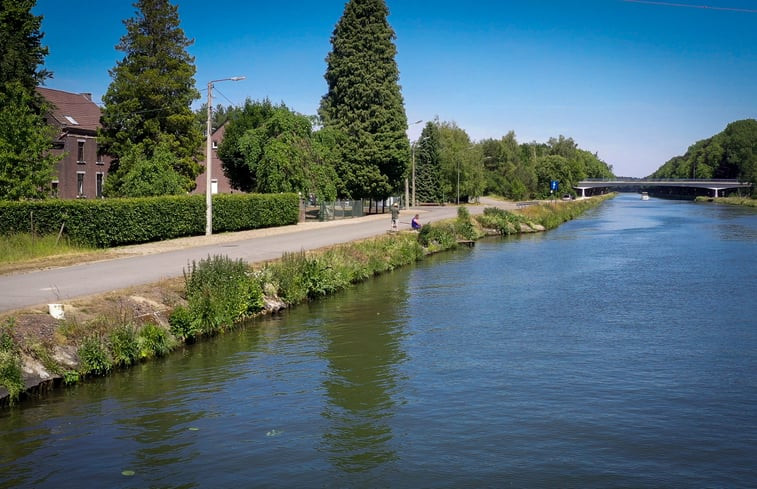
<point x="16" y="248"/>
<point x="746" y="201"/>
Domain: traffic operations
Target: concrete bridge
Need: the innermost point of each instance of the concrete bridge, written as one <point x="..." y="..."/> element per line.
<point x="713" y="184"/>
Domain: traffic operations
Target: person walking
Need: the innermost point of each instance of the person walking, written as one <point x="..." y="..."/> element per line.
<point x="395" y="216"/>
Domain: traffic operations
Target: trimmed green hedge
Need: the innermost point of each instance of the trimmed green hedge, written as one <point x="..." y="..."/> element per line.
<point x="114" y="222"/>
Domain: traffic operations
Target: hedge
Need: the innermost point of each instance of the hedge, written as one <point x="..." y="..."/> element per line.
<point x="114" y="222"/>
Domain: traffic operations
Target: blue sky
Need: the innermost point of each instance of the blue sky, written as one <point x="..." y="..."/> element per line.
<point x="636" y="82"/>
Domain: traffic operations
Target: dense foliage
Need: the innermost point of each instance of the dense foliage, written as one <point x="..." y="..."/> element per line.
<point x="268" y="149"/>
<point x="21" y="49"/>
<point x="140" y="175"/>
<point x="428" y="169"/>
<point x="113" y="222"/>
<point x="148" y="103"/>
<point x="220" y="292"/>
<point x="731" y="153"/>
<point x="450" y="167"/>
<point x="364" y="102"/>
<point x="26" y="167"/>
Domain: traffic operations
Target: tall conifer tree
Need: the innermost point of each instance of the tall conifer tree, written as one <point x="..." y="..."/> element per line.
<point x="428" y="169"/>
<point x="149" y="100"/>
<point x="21" y="49"/>
<point x="26" y="166"/>
<point x="364" y="101"/>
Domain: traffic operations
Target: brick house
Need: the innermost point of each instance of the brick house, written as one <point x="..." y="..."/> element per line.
<point x="81" y="173"/>
<point x="218" y="181"/>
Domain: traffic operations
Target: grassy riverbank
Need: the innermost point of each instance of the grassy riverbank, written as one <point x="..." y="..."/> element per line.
<point x="116" y="330"/>
<point x="745" y="201"/>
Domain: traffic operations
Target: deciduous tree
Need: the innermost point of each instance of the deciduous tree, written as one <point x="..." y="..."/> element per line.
<point x="271" y="149"/>
<point x="26" y="165"/>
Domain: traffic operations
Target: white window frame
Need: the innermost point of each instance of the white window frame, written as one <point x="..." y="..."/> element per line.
<point x="80" y="178"/>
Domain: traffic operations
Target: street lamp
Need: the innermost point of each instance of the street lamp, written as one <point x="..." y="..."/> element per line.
<point x="209" y="156"/>
<point x="407" y="191"/>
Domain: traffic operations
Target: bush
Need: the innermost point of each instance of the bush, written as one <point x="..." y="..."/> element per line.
<point x="503" y="221"/>
<point x="113" y="222"/>
<point x="437" y="237"/>
<point x="463" y="225"/>
<point x="123" y="345"/>
<point x="220" y="292"/>
<point x="154" y="341"/>
<point x="182" y="325"/>
<point x="94" y="357"/>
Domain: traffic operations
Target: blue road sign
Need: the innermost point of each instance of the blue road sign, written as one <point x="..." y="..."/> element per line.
<point x="553" y="185"/>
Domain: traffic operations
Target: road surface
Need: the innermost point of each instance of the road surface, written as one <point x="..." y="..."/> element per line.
<point x="162" y="261"/>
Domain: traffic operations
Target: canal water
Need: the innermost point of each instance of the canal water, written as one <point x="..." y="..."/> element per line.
<point x="619" y="350"/>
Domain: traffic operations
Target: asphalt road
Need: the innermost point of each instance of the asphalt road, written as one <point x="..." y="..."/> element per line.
<point x="58" y="285"/>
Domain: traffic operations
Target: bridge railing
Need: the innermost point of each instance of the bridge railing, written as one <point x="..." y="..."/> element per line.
<point x="663" y="180"/>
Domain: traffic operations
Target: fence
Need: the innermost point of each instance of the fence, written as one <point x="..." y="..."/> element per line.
<point x="344" y="209"/>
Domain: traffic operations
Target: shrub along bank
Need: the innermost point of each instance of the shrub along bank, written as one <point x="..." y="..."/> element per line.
<point x="218" y="293"/>
<point x="115" y="222"/>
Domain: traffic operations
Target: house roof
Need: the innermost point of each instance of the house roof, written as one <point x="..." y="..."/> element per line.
<point x="72" y="110"/>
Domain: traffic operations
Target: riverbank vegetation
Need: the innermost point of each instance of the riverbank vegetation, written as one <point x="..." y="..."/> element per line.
<point x="217" y="294"/>
<point x="745" y="201"/>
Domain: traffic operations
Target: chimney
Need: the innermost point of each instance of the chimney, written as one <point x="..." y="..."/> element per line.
<point x="87" y="96"/>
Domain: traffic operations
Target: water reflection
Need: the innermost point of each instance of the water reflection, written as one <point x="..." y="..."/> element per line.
<point x="362" y="346"/>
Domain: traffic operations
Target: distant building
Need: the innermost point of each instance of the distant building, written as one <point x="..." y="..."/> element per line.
<point x="218" y="182"/>
<point x="82" y="171"/>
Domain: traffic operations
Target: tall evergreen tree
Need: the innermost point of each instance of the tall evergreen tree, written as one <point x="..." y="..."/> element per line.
<point x="364" y="101"/>
<point x="149" y="100"/>
<point x="26" y="165"/>
<point x="428" y="169"/>
<point x="21" y="49"/>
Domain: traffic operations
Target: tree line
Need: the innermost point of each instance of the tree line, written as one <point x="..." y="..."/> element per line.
<point x="355" y="147"/>
<point x="732" y="153"/>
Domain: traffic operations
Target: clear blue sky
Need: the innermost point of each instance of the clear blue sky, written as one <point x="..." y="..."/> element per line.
<point x="635" y="81"/>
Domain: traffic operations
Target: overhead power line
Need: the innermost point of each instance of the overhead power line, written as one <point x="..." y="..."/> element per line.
<point x="689" y="5"/>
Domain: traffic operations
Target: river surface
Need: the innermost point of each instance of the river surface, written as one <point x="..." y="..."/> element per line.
<point x="619" y="350"/>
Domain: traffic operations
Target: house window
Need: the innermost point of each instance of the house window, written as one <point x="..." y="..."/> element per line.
<point x="55" y="188"/>
<point x="80" y="184"/>
<point x="80" y="153"/>
<point x="99" y="185"/>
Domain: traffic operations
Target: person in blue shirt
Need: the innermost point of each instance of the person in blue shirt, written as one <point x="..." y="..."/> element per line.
<point x="414" y="223"/>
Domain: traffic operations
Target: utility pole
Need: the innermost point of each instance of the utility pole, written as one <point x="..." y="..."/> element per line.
<point x="209" y="156"/>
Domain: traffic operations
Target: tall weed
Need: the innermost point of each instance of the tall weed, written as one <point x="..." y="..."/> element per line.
<point x="220" y="292"/>
<point x="11" y="376"/>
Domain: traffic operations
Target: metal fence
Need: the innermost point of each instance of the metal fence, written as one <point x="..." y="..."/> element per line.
<point x="344" y="209"/>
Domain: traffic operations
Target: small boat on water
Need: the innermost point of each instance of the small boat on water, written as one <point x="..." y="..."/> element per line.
<point x="644" y="196"/>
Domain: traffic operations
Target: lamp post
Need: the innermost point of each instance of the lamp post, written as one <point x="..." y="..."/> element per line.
<point x="209" y="156"/>
<point x="407" y="192"/>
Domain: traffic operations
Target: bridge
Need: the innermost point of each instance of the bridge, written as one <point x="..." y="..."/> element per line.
<point x="713" y="184"/>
